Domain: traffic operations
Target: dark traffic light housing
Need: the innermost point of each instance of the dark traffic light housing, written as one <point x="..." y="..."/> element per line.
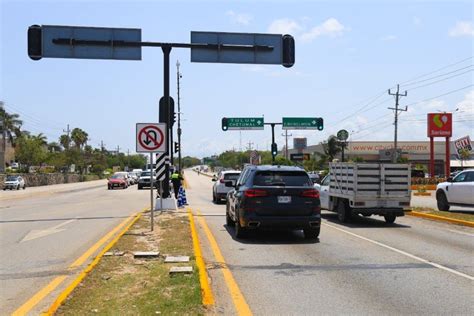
<point x="176" y="147"/>
<point x="225" y="127"/>
<point x="274" y="149"/>
<point x="319" y="123"/>
<point x="288" y="51"/>
<point x="35" y="45"/>
<point x="163" y="112"/>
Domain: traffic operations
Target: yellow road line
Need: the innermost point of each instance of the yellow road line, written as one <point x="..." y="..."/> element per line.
<point x="239" y="301"/>
<point x="63" y="296"/>
<point x="41" y="294"/>
<point x="207" y="296"/>
<point x="441" y="218"/>
<point x="35" y="299"/>
<point x="79" y="261"/>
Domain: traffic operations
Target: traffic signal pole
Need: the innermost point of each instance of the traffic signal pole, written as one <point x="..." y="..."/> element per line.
<point x="274" y="145"/>
<point x="166" y="119"/>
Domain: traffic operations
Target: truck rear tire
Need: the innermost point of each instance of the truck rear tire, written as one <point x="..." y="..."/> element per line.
<point x="390" y="218"/>
<point x="343" y="212"/>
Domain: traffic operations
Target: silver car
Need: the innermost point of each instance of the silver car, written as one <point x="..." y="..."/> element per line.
<point x="14" y="182"/>
<point x="219" y="190"/>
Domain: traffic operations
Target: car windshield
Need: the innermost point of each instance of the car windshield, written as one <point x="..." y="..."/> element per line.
<point x="117" y="176"/>
<point x="282" y="178"/>
<point x="146" y="174"/>
<point x="231" y="176"/>
<point x="12" y="178"/>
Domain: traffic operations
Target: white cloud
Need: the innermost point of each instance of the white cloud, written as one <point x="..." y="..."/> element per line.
<point x="389" y="38"/>
<point x="462" y="28"/>
<point x="417" y="21"/>
<point x="284" y="26"/>
<point x="466" y="106"/>
<point x="331" y="27"/>
<point x="239" y="18"/>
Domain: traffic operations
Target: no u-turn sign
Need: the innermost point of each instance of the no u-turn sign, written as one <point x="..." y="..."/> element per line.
<point x="151" y="138"/>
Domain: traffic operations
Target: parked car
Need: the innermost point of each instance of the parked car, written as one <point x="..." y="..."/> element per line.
<point x="118" y="180"/>
<point x="144" y="180"/>
<point x="457" y="191"/>
<point x="219" y="189"/>
<point x="134" y="178"/>
<point x="14" y="182"/>
<point x="273" y="197"/>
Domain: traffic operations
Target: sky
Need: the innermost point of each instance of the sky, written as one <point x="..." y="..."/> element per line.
<point x="348" y="54"/>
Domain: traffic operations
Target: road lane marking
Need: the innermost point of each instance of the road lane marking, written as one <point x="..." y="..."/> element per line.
<point x="460" y="232"/>
<point x="64" y="294"/>
<point x="41" y="294"/>
<point x="79" y="261"/>
<point x="237" y="297"/>
<point x="436" y="265"/>
<point x="35" y="299"/>
<point x="207" y="296"/>
<point x="38" y="233"/>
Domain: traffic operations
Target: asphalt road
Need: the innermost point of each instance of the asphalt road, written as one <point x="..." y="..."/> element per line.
<point x="414" y="266"/>
<point x="43" y="230"/>
<point x="430" y="201"/>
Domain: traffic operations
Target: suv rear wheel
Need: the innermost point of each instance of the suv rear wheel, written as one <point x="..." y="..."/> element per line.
<point x="311" y="233"/>
<point x="240" y="232"/>
<point x="442" y="201"/>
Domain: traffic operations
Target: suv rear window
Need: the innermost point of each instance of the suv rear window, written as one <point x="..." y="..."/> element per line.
<point x="282" y="178"/>
<point x="231" y="176"/>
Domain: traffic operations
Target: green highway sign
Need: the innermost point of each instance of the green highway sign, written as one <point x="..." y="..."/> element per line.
<point x="242" y="123"/>
<point x="303" y="123"/>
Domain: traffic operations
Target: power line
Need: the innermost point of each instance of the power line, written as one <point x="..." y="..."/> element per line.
<point x="441" y="75"/>
<point x="431" y="83"/>
<point x="441" y="95"/>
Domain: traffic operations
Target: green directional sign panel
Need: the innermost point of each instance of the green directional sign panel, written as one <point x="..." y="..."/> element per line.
<point x="242" y="123"/>
<point x="302" y="123"/>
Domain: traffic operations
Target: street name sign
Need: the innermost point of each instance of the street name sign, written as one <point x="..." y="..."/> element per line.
<point x="56" y="41"/>
<point x="151" y="138"/>
<point x="242" y="123"/>
<point x="302" y="123"/>
<point x="243" y="48"/>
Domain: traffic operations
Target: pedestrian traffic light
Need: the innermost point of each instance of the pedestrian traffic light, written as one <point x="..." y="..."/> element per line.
<point x="176" y="147"/>
<point x="274" y="149"/>
<point x="288" y="51"/>
<point x="319" y="123"/>
<point x="224" y="124"/>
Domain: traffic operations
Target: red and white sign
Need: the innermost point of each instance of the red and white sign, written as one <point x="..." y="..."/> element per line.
<point x="440" y="124"/>
<point x="151" y="138"/>
<point x="463" y="143"/>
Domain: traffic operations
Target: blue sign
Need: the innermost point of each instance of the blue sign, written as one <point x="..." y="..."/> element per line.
<point x="87" y="51"/>
<point x="262" y="48"/>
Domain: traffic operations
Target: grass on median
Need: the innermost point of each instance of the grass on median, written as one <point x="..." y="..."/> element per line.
<point x="460" y="216"/>
<point x="122" y="285"/>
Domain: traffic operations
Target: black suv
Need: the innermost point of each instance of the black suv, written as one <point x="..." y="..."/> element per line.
<point x="276" y="197"/>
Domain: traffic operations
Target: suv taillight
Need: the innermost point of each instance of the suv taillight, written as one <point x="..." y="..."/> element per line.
<point x="314" y="194"/>
<point x="252" y="193"/>
<point x="222" y="180"/>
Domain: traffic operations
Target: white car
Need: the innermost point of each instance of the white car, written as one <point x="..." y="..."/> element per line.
<point x="14" y="182"/>
<point x="457" y="191"/>
<point x="219" y="189"/>
<point x="323" y="190"/>
<point x="144" y="180"/>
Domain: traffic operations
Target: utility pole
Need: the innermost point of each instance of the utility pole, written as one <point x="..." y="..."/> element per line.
<point x="179" y="76"/>
<point x="128" y="159"/>
<point x="396" y="111"/>
<point x="118" y="149"/>
<point x="250" y="145"/>
<point x="102" y="146"/>
<point x="286" y="142"/>
<point x="67" y="131"/>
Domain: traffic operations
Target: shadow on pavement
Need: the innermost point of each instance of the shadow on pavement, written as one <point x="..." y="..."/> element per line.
<point x="359" y="221"/>
<point x="271" y="237"/>
<point x="59" y="219"/>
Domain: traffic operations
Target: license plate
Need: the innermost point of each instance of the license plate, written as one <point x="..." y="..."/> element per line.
<point x="284" y="199"/>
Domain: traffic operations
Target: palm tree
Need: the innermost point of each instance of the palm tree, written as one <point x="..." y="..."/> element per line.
<point x="331" y="148"/>
<point x="65" y="141"/>
<point x="10" y="125"/>
<point x="41" y="138"/>
<point x="79" y="137"/>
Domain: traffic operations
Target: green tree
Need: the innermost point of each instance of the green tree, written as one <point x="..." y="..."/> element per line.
<point x="10" y="124"/>
<point x="79" y="137"/>
<point x="30" y="150"/>
<point x="65" y="141"/>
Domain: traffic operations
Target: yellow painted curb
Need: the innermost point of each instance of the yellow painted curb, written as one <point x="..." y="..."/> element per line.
<point x="63" y="296"/>
<point x="441" y="218"/>
<point x="207" y="296"/>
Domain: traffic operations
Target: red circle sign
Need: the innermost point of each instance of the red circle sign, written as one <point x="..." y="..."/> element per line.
<point x="151" y="137"/>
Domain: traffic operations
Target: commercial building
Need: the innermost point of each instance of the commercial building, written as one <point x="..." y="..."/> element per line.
<point x="417" y="152"/>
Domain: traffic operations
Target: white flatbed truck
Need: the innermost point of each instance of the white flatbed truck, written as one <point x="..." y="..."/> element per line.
<point x="367" y="189"/>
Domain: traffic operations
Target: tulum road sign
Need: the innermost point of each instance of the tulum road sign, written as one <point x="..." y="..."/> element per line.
<point x="242" y="123"/>
<point x="151" y="138"/>
<point x="302" y="123"/>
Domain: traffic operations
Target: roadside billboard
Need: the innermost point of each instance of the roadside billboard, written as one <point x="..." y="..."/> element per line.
<point x="463" y="143"/>
<point x="440" y="124"/>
